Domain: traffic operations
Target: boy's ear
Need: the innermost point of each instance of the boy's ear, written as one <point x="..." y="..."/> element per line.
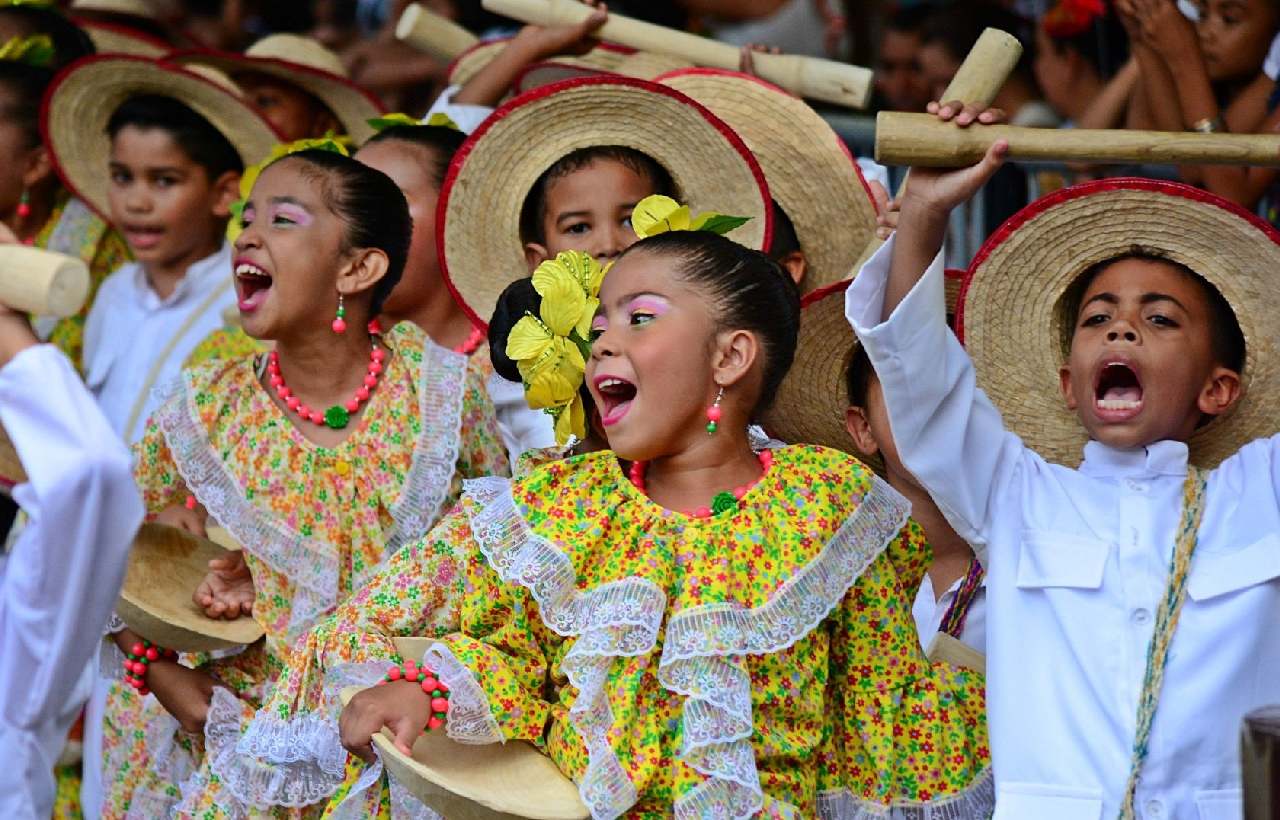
<point x="535" y="255"/>
<point x="1221" y="392"/>
<point x="224" y="191"/>
<point x="796" y="265"/>
<point x="1064" y="380"/>
<point x="366" y="269"/>
<point x="855" y="421"/>
<point x="735" y="355"/>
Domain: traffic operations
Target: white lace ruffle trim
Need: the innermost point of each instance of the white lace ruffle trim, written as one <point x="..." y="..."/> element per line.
<point x="704" y="648"/>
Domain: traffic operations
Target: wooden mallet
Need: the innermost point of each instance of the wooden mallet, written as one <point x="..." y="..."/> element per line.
<point x="41" y="283"/>
<point x="810" y="77"/>
<point x="430" y="32"/>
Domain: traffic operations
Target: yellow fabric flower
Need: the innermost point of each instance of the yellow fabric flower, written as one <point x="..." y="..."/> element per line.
<point x="658" y="214"/>
<point x="250" y="176"/>
<point x="550" y="349"/>
<point x="36" y="51"/>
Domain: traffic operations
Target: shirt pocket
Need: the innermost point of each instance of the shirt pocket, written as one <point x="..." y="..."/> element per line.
<point x="1058" y="559"/>
<point x="1020" y="801"/>
<point x="1220" y="804"/>
<point x="1215" y="574"/>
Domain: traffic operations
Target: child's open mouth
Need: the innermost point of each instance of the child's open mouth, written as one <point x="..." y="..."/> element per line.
<point x="252" y="285"/>
<point x="1117" y="392"/>
<point x="616" y="396"/>
<point x="143" y="237"/>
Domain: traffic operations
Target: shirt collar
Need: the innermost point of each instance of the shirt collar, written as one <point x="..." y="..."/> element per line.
<point x="1161" y="458"/>
<point x="200" y="276"/>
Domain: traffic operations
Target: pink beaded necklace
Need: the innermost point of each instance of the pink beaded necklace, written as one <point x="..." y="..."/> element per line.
<point x="472" y="342"/>
<point x="723" y="501"/>
<point x="338" y="416"/>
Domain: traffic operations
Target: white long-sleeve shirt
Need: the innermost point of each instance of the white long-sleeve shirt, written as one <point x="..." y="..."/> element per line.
<point x="130" y="326"/>
<point x="1077" y="562"/>
<point x="60" y="581"/>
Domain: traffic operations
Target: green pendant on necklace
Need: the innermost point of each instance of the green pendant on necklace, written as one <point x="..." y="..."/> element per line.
<point x="336" y="417"/>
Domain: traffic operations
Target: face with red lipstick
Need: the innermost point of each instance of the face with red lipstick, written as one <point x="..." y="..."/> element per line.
<point x="165" y="204"/>
<point x="1147" y="360"/>
<point x="658" y="358"/>
<point x="292" y="259"/>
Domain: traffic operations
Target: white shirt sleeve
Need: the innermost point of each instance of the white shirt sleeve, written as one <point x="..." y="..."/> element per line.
<point x="61" y="579"/>
<point x="523" y="428"/>
<point x="947" y="432"/>
<point x="468" y="117"/>
<point x="1271" y="65"/>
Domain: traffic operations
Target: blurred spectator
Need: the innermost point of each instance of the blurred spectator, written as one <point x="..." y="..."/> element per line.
<point x="334" y="25"/>
<point x="812" y="27"/>
<point x="900" y="81"/>
<point x="1080" y="45"/>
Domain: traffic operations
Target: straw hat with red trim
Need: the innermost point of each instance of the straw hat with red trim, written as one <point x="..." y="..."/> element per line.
<point x="643" y="65"/>
<point x="1019" y="293"/>
<point x="111" y="38"/>
<point x="812" y="175"/>
<point x="305" y="63"/>
<point x="131" y="8"/>
<point x="810" y="405"/>
<point x="478" y="219"/>
<point x="82" y="98"/>
<point x="604" y="57"/>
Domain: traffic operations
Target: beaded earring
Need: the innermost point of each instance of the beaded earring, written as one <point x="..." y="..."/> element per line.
<point x="340" y="323"/>
<point x="713" y="414"/>
<point x="24" y="204"/>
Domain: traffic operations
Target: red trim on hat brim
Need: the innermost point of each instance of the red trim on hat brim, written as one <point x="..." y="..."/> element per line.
<point x="244" y="63"/>
<point x="515" y="103"/>
<point x="123" y="31"/>
<point x="823" y="292"/>
<point x="61" y="77"/>
<point x="1013" y="223"/>
<point x="724" y="72"/>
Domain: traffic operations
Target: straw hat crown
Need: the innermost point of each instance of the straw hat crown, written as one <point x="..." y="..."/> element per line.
<point x="295" y="48"/>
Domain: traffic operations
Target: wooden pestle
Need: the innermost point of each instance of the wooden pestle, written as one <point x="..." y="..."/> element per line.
<point x="430" y="32"/>
<point x="810" y="77"/>
<point x="921" y="139"/>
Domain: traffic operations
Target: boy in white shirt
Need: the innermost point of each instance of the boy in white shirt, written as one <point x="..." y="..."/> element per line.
<point x="1133" y="600"/>
<point x="61" y="579"/>
<point x="165" y="173"/>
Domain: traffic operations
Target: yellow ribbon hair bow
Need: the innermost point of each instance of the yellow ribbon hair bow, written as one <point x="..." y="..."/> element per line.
<point x="551" y="349"/>
<point x="436" y="120"/>
<point x="36" y="51"/>
<point x="658" y="214"/>
<point x="284" y="149"/>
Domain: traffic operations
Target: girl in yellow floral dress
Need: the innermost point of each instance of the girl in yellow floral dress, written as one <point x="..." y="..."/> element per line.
<point x="317" y="498"/>
<point x="683" y="625"/>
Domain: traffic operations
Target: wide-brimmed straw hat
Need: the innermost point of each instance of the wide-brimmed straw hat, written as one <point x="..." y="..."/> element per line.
<point x="643" y="65"/>
<point x="305" y="63"/>
<point x="812" y="175"/>
<point x="131" y="8"/>
<point x="111" y="38"/>
<point x="478" y="219"/>
<point x="166" y="566"/>
<point x="1020" y="290"/>
<point x="810" y="405"/>
<point x="82" y="98"/>
<point x="487" y="782"/>
<point x="603" y="57"/>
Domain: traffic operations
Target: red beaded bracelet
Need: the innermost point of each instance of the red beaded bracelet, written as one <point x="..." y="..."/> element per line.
<point x="432" y="687"/>
<point x="137" y="661"/>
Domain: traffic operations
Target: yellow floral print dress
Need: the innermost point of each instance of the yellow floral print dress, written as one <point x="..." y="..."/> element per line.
<point x="316" y="523"/>
<point x="762" y="661"/>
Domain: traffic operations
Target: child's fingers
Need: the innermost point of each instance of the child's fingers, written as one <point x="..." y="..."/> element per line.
<point x="932" y="107"/>
<point x="879" y="195"/>
<point x="950" y="110"/>
<point x="992" y="116"/>
<point x="405" y="734"/>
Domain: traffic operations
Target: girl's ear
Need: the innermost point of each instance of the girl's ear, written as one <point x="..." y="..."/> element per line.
<point x="225" y="191"/>
<point x="735" y="356"/>
<point x="39" y="166"/>
<point x="366" y="269"/>
<point x="856" y="422"/>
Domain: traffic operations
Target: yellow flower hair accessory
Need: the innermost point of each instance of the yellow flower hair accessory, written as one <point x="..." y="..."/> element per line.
<point x="436" y="120"/>
<point x="551" y="349"/>
<point x="36" y="51"/>
<point x="284" y="149"/>
<point x="658" y="214"/>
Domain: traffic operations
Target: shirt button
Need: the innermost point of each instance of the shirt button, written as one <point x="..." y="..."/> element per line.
<point x="1155" y="808"/>
<point x="342" y="468"/>
<point x="1141" y="616"/>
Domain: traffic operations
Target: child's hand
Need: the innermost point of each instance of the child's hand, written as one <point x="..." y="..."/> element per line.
<point x="548" y="42"/>
<point x="887" y="210"/>
<point x="934" y="192"/>
<point x="184" y="693"/>
<point x="1159" y="24"/>
<point x="401" y="707"/>
<point x="227" y="591"/>
<point x="185" y="518"/>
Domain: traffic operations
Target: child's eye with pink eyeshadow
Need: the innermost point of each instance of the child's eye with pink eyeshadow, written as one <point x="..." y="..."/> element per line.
<point x="598" y="326"/>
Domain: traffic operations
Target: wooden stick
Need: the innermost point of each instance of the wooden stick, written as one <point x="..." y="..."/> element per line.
<point x="811" y="77"/>
<point x="41" y="282"/>
<point x="921" y="139"/>
<point x="435" y="34"/>
<point x="984" y="70"/>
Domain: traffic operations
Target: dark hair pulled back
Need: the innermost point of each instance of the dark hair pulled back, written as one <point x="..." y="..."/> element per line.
<point x="195" y="135"/>
<point x="372" y="206"/>
<point x="438" y="142"/>
<point x="750" y="291"/>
